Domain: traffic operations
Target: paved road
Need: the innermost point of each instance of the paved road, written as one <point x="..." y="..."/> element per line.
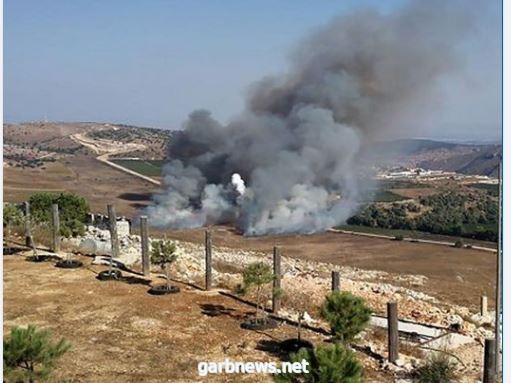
<point x="409" y="239"/>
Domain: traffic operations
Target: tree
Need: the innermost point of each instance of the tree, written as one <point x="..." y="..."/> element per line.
<point x="29" y="354"/>
<point x="163" y="253"/>
<point x="73" y="211"/>
<point x="326" y="364"/>
<point x="257" y="274"/>
<point x="13" y="216"/>
<point x="347" y="315"/>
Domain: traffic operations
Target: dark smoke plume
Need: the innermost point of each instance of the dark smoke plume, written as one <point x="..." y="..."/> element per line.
<point x="296" y="144"/>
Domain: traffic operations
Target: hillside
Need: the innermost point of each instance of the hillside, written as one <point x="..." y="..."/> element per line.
<point x="481" y="160"/>
<point x="474" y="159"/>
<point x="55" y="138"/>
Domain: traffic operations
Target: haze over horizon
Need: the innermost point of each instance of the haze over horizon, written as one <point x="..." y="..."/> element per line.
<point x="152" y="65"/>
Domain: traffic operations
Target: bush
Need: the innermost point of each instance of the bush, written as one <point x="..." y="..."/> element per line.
<point x="13" y="215"/>
<point x="437" y="369"/>
<point x="458" y="244"/>
<point x="73" y="211"/>
<point x="257" y="274"/>
<point x="163" y="253"/>
<point x="30" y="355"/>
<point x="347" y="315"/>
<point x="399" y="237"/>
<point x="326" y="364"/>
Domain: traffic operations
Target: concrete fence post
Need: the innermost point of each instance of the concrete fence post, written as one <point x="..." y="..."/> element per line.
<point x="489" y="361"/>
<point x="144" y="241"/>
<point x="90" y="218"/>
<point x="393" y="332"/>
<point x="55" y="228"/>
<point x="277" y="274"/>
<point x="29" y="241"/>
<point x="114" y="240"/>
<point x="336" y="281"/>
<point x="207" y="243"/>
<point x="484" y="305"/>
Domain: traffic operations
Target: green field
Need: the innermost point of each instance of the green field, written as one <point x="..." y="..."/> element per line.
<point x="386" y="196"/>
<point x="395" y="184"/>
<point x="150" y="168"/>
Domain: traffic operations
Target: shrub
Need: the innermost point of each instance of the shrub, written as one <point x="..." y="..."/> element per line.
<point x="347" y="315"/>
<point x="458" y="244"/>
<point x="399" y="237"/>
<point x="163" y="253"/>
<point x="12" y="215"/>
<point x="257" y="274"/>
<point x="438" y="368"/>
<point x="13" y="219"/>
<point x="30" y="355"/>
<point x="72" y="211"/>
<point x="326" y="364"/>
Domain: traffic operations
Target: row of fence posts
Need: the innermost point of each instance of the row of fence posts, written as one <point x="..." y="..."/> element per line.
<point x="489" y="372"/>
<point x="489" y="369"/>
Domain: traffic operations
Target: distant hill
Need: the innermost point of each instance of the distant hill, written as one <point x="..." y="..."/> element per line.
<point x="412" y="146"/>
<point x="477" y="159"/>
<point x="57" y="137"/>
<point x="483" y="160"/>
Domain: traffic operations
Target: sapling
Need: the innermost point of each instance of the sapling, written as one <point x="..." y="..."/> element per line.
<point x="163" y="253"/>
<point x="257" y="274"/>
<point x="30" y="355"/>
<point x="347" y="315"/>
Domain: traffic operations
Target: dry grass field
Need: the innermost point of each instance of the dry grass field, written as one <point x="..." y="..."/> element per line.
<point x="84" y="175"/>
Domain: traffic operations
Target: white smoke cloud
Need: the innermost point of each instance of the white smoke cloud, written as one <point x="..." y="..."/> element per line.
<point x="238" y="183"/>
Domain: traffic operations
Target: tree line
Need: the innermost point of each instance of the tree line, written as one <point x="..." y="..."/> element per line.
<point x="472" y="215"/>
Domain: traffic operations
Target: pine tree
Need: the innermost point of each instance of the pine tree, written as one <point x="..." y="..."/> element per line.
<point x="326" y="364"/>
<point x="347" y="315"/>
<point x="163" y="253"/>
<point x="30" y="355"/>
<point x="257" y="274"/>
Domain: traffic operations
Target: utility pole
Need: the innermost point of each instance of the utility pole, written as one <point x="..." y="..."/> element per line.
<point x="498" y="289"/>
